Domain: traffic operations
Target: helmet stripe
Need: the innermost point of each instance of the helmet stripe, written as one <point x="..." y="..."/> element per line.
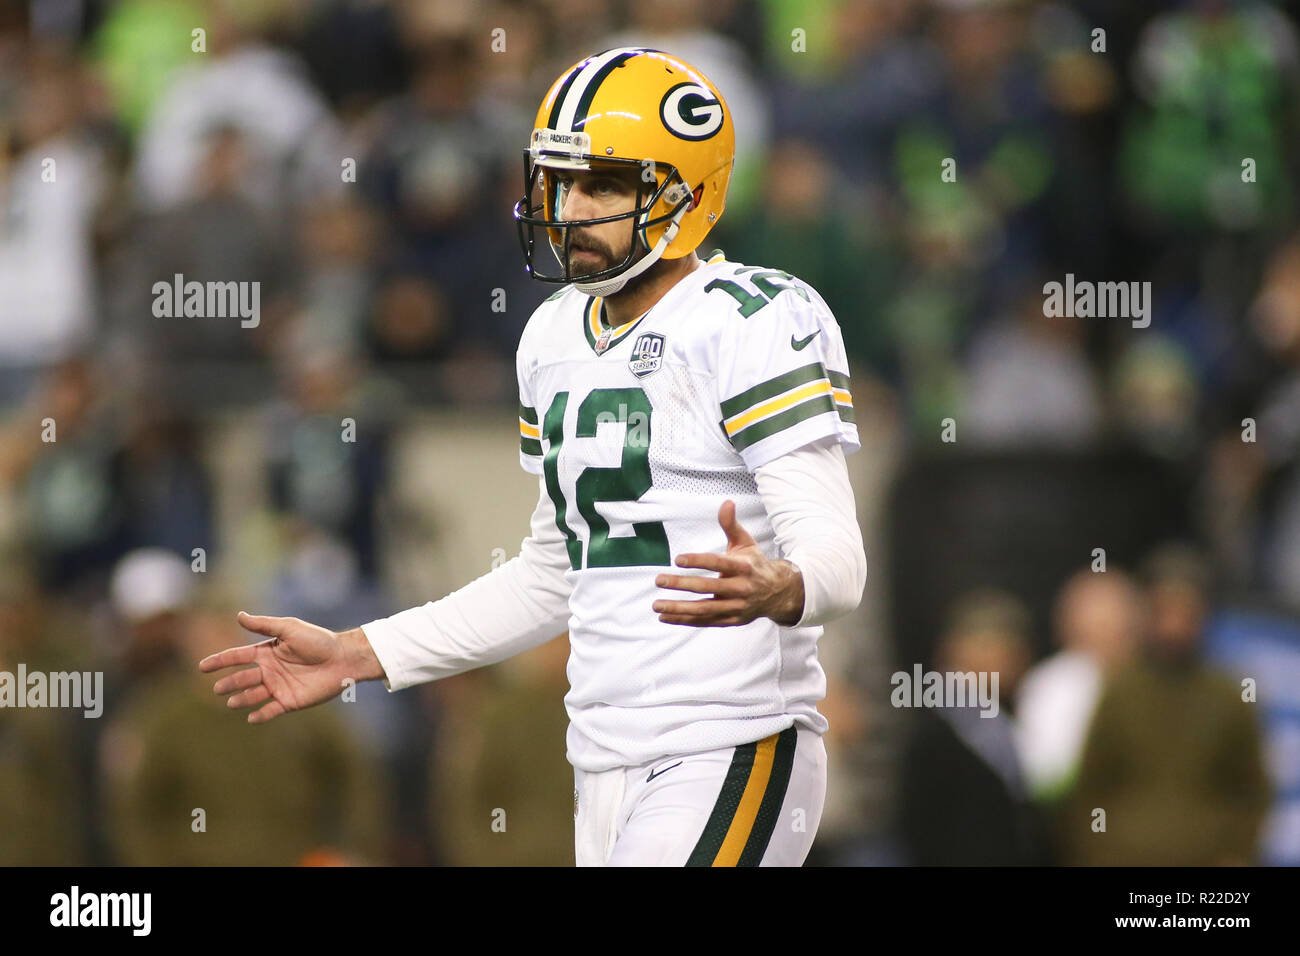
<point x="578" y="95"/>
<point x="559" y="97"/>
<point x="589" y="94"/>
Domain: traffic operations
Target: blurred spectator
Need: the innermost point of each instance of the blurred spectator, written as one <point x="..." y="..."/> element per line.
<point x="57" y="452"/>
<point x="51" y="185"/>
<point x="411" y="319"/>
<point x="95" y="482"/>
<point x="190" y="786"/>
<point x="1155" y="397"/>
<point x="1217" y="82"/>
<point x="500" y="793"/>
<point x="292" y="139"/>
<point x="216" y="233"/>
<point x="435" y="172"/>
<point x="1253" y="490"/>
<point x="354" y="50"/>
<point x="1098" y="620"/>
<point x="38" y="789"/>
<point x="865" y="69"/>
<point x="339" y="242"/>
<point x="40" y="816"/>
<point x="325" y="449"/>
<point x="580" y="28"/>
<point x="150" y="592"/>
<point x="165" y="490"/>
<point x="516" y="68"/>
<point x="433" y="152"/>
<point x="962" y="799"/>
<point x="136" y="48"/>
<point x="1173" y="755"/>
<point x="1029" y="383"/>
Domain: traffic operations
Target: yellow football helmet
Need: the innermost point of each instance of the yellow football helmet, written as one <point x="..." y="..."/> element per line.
<point x="639" y="107"/>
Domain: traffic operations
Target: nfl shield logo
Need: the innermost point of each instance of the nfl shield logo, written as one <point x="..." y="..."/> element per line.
<point x="647" y="354"/>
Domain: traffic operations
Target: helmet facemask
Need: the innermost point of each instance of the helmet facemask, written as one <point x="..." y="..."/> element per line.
<point x="540" y="209"/>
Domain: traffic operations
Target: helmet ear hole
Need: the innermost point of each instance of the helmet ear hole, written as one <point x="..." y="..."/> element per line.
<point x="697" y="195"/>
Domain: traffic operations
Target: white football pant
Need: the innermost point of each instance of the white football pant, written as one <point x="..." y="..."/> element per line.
<point x="758" y="804"/>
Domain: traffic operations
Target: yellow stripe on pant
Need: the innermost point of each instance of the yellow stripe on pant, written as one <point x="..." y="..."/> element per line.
<point x="743" y="822"/>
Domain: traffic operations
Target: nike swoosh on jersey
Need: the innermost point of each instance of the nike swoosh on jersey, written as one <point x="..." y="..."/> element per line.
<point x="797" y="344"/>
<point x="660" y="773"/>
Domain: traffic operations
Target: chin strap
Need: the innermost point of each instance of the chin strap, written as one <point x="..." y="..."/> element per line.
<point x="612" y="285"/>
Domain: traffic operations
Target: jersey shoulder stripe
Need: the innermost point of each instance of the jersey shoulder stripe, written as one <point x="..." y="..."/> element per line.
<point x="781" y="366"/>
<point x="529" y="434"/>
<point x="785" y="400"/>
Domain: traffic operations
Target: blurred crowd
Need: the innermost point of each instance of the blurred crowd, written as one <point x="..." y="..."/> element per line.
<point x="359" y="159"/>
<point x="1124" y="747"/>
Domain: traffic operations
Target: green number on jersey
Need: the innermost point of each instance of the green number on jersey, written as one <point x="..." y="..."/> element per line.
<point x="628" y="482"/>
<point x="769" y="282"/>
<point x="553" y="429"/>
<point x="749" y="304"/>
<point x="773" y="282"/>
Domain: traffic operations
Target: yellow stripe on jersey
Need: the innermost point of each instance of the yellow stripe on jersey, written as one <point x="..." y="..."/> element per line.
<point x="778" y="404"/>
<point x="529" y="431"/>
<point x="784" y="401"/>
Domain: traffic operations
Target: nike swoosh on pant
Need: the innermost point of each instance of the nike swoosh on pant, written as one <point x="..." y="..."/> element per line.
<point x="660" y="773"/>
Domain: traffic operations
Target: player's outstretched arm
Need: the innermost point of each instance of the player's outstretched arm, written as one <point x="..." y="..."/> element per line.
<point x="300" y="666"/>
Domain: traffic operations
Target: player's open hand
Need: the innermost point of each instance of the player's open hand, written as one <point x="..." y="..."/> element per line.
<point x="749" y="585"/>
<point x="300" y="666"/>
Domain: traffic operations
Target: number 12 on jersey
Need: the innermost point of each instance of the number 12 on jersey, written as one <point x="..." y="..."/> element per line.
<point x="648" y="544"/>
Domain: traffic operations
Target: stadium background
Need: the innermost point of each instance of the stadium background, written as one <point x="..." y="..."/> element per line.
<point x="378" y="305"/>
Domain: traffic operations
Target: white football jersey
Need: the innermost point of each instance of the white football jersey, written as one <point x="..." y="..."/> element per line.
<point x="641" y="433"/>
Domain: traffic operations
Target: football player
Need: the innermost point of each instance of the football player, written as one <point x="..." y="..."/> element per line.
<point x="687" y="419"/>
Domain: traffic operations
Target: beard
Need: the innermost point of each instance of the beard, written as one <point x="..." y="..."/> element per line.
<point x="605" y="258"/>
<point x="579" y="268"/>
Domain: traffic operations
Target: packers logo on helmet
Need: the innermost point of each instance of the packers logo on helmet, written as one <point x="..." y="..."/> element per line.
<point x="628" y="108"/>
<point x="691" y="111"/>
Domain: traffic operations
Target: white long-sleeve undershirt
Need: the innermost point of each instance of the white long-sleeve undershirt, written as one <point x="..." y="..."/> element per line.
<point x="524" y="602"/>
<point x="514" y="607"/>
<point x="810" y="503"/>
